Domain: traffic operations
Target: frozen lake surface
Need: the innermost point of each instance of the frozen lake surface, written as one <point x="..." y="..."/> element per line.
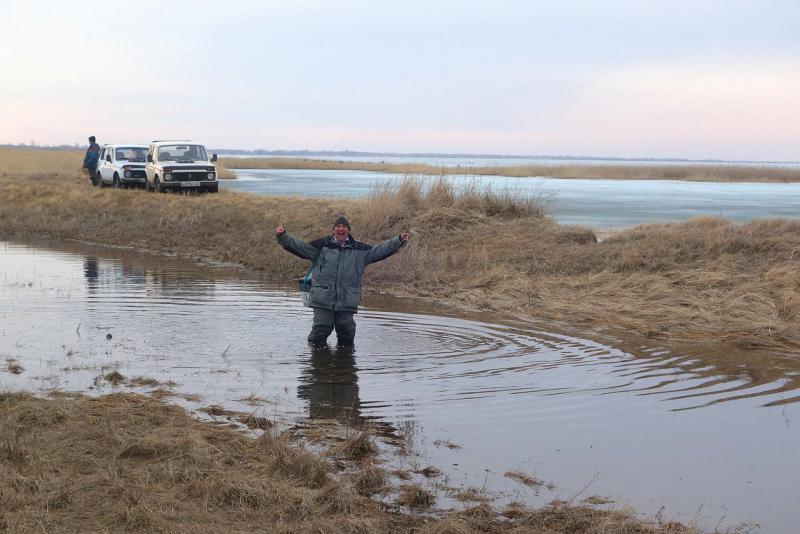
<point x="599" y="204"/>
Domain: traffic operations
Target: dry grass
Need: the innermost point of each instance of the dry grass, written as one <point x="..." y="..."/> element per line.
<point x="523" y="478"/>
<point x="359" y="446"/>
<point x="704" y="279"/>
<point x="128" y="463"/>
<point x="64" y="163"/>
<point x="369" y="479"/>
<point x="415" y="497"/>
<point x="689" y="172"/>
<point x="13" y="366"/>
<point x="115" y="378"/>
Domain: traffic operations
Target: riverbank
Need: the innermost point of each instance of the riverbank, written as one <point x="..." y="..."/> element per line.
<point x="688" y="172"/>
<point x="128" y="462"/>
<point x="704" y="280"/>
<point x="65" y="163"/>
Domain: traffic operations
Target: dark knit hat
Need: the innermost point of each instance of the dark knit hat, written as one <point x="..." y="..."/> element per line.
<point x="342" y="220"/>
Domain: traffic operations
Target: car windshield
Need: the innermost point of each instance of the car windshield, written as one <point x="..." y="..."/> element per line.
<point x="187" y="153"/>
<point x="130" y="153"/>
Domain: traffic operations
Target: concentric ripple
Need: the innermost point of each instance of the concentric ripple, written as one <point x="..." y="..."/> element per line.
<point x="635" y="418"/>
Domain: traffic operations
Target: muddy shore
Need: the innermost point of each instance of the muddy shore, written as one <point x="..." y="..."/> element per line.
<point x="131" y="463"/>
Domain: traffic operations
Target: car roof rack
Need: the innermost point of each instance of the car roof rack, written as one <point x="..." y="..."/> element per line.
<point x="171" y="140"/>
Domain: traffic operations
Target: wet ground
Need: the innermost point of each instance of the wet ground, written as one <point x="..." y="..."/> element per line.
<point x="697" y="434"/>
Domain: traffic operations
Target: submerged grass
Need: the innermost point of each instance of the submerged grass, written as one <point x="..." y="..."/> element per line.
<point x="689" y="172"/>
<point x="129" y="463"/>
<point x="706" y="279"/>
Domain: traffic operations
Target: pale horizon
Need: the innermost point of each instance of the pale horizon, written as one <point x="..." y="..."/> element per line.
<point x="658" y="80"/>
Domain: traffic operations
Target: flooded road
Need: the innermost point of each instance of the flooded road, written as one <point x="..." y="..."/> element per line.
<point x="690" y="433"/>
<point x="600" y="204"/>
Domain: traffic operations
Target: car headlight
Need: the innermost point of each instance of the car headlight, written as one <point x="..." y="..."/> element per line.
<point x="168" y="176"/>
<point x="127" y="174"/>
<point x="211" y="176"/>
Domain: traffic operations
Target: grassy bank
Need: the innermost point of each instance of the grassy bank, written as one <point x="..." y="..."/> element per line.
<point x="126" y="462"/>
<point x="701" y="173"/>
<point x="63" y="163"/>
<point x="31" y="162"/>
<point x="707" y="279"/>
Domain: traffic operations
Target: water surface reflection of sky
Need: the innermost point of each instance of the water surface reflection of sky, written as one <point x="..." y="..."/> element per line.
<point x="654" y="425"/>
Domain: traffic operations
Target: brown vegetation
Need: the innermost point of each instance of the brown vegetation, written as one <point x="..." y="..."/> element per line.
<point x="19" y="162"/>
<point x="690" y="172"/>
<point x="128" y="463"/>
<point x="704" y="279"/>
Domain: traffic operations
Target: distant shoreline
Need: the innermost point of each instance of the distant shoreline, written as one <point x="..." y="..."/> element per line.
<point x="697" y="172"/>
<point x="437" y="155"/>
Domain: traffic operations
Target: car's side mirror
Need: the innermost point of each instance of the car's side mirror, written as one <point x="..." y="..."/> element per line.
<point x="108" y="158"/>
<point x="150" y="158"/>
<point x="213" y="157"/>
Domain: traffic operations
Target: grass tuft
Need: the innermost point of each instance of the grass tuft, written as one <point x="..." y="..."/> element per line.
<point x="415" y="497"/>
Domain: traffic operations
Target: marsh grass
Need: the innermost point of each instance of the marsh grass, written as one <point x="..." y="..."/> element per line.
<point x="127" y="462"/>
<point x="28" y="162"/>
<point x="359" y="446"/>
<point x="706" y="279"/>
<point x="524" y="478"/>
<point x="61" y="163"/>
<point x="369" y="479"/>
<point x="688" y="172"/>
<point x="415" y="497"/>
<point x="13" y="366"/>
<point x="115" y="378"/>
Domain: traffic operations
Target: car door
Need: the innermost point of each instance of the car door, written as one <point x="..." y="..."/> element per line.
<point x="106" y="170"/>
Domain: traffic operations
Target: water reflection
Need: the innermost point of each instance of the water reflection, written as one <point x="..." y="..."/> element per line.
<point x="664" y="425"/>
<point x="330" y="384"/>
<point x="91" y="271"/>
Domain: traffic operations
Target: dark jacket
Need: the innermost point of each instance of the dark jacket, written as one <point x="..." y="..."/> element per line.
<point x="337" y="270"/>
<point x="92" y="156"/>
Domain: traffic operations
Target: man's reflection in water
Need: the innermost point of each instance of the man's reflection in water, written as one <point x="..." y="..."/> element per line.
<point x="330" y="384"/>
<point x="91" y="270"/>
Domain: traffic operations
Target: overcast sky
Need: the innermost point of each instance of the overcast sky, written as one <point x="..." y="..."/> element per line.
<point x="628" y="78"/>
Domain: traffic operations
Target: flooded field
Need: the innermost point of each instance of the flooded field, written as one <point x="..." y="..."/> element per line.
<point x="600" y="204"/>
<point x="507" y="408"/>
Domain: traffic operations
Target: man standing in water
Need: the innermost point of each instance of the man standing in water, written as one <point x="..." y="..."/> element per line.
<point x="91" y="159"/>
<point x="338" y="263"/>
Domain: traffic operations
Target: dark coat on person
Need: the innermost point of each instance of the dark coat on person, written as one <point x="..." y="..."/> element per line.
<point x="92" y="156"/>
<point x="337" y="269"/>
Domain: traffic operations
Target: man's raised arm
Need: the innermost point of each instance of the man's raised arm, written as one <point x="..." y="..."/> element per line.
<point x="295" y="246"/>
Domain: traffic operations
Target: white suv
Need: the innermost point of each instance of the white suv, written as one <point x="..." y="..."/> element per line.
<point x="121" y="166"/>
<point x="180" y="166"/>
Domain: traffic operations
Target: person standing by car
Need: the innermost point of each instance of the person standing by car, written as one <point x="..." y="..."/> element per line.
<point x="338" y="263"/>
<point x="91" y="159"/>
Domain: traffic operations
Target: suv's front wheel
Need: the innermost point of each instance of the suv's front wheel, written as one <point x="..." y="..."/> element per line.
<point x="116" y="184"/>
<point x="158" y="187"/>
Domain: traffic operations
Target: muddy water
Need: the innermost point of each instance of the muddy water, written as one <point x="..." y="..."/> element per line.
<point x="690" y="433"/>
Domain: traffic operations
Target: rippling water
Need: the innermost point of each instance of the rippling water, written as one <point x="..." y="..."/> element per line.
<point x="699" y="433"/>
